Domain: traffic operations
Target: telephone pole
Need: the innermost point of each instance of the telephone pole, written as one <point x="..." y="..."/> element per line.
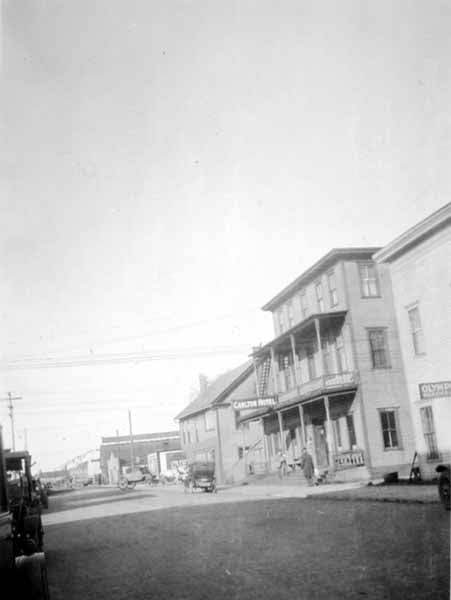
<point x="10" y="400"/>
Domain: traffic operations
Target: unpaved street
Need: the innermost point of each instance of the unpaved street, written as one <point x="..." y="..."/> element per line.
<point x="209" y="546"/>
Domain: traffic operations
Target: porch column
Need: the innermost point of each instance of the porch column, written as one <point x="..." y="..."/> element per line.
<point x="320" y="348"/>
<point x="275" y="371"/>
<point x="265" y="447"/>
<point x="282" y="437"/>
<point x="330" y="435"/>
<point x="293" y="350"/>
<point x="301" y="416"/>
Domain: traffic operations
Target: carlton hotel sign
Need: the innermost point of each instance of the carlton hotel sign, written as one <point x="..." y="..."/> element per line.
<point x="253" y="403"/>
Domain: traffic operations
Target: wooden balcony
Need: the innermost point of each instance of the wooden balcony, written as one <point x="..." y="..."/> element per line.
<point x="319" y="385"/>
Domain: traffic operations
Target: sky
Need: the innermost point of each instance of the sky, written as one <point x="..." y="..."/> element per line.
<point x="168" y="167"/>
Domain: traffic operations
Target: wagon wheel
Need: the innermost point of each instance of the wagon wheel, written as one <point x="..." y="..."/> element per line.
<point x="123" y="484"/>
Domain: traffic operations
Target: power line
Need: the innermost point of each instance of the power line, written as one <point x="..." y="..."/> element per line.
<point x="117" y="358"/>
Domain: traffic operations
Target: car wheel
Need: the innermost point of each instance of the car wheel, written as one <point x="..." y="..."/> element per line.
<point x="123" y="484"/>
<point x="443" y="490"/>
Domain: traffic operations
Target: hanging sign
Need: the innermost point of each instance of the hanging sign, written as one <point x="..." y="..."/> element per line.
<point x="437" y="389"/>
<point x="252" y="403"/>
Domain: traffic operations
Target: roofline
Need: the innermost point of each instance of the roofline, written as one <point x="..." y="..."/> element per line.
<point x="414" y="235"/>
<point x="328" y="259"/>
<point x="220" y="396"/>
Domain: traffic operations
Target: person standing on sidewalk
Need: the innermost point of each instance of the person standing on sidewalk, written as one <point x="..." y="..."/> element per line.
<point x="307" y="466"/>
<point x="282" y="465"/>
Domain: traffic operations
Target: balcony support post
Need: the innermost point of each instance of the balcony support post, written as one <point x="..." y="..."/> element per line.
<point x="275" y="371"/>
<point x="330" y="435"/>
<point x="320" y="348"/>
<point x="282" y="437"/>
<point x="295" y="370"/>
<point x="303" y="436"/>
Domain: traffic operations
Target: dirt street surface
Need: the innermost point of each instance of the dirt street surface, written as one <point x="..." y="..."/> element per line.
<point x="242" y="544"/>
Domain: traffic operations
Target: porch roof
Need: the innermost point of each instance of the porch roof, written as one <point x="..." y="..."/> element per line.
<point x="303" y="325"/>
<point x="300" y="399"/>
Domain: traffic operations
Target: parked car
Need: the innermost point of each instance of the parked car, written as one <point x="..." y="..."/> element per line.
<point x="201" y="476"/>
<point x="443" y="484"/>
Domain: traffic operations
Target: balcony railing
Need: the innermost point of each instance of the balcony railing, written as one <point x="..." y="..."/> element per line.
<point x="348" y="460"/>
<point x="287" y="382"/>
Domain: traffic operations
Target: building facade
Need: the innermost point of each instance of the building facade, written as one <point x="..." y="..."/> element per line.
<point x="158" y="452"/>
<point x="420" y="267"/>
<point x="335" y="368"/>
<point x="210" y="429"/>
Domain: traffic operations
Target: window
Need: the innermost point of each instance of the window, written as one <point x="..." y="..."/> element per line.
<point x="389" y="433"/>
<point x="184" y="437"/>
<point x="189" y="437"/>
<point x="337" y="430"/>
<point x="351" y="430"/>
<point x="319" y="296"/>
<point x="209" y="420"/>
<point x="333" y="296"/>
<point x="304" y="306"/>
<point x="342" y="364"/>
<point x="416" y="330"/>
<point x="242" y="450"/>
<point x="281" y="320"/>
<point x="311" y="362"/>
<point x="197" y="434"/>
<point x="327" y="345"/>
<point x="378" y="348"/>
<point x="369" y="284"/>
<point x="290" y="314"/>
<point x="427" y="422"/>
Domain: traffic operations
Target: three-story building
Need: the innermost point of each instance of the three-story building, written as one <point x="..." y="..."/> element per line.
<point x="335" y="368"/>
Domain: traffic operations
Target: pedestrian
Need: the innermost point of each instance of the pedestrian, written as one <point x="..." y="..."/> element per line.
<point x="307" y="466"/>
<point x="282" y="465"/>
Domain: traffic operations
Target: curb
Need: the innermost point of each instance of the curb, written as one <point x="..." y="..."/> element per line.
<point x="348" y="498"/>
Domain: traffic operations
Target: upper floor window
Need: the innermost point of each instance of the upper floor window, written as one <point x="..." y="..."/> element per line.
<point x="290" y="313"/>
<point x="304" y="305"/>
<point x="389" y="429"/>
<point x="342" y="364"/>
<point x="311" y="365"/>
<point x="379" y="348"/>
<point x="209" y="418"/>
<point x="319" y="296"/>
<point x="416" y="330"/>
<point x="281" y="320"/>
<point x="333" y="296"/>
<point x="369" y="283"/>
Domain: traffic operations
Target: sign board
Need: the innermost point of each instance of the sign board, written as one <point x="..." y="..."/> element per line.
<point x="252" y="403"/>
<point x="436" y="389"/>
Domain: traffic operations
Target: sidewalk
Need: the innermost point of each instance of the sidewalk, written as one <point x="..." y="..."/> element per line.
<point x="394" y="492"/>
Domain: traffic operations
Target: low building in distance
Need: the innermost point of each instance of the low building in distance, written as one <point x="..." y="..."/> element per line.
<point x="158" y="452"/>
<point x="335" y="366"/>
<point x="420" y="267"/>
<point x="211" y="430"/>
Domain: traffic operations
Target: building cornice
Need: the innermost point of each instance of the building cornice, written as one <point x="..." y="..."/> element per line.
<point x="415" y="235"/>
<point x="329" y="259"/>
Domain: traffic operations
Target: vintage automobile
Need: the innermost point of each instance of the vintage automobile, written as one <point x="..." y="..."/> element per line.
<point x="443" y="484"/>
<point x="131" y="476"/>
<point x="201" y="475"/>
<point x="23" y="571"/>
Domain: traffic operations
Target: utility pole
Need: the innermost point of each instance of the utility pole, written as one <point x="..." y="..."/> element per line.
<point x="25" y="437"/>
<point x="132" y="453"/>
<point x="10" y="399"/>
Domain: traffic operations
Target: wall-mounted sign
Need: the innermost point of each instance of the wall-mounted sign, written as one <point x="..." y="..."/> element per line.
<point x="436" y="389"/>
<point x="251" y="403"/>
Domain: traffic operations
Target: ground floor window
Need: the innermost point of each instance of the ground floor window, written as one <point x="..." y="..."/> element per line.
<point x="351" y="430"/>
<point x="389" y="429"/>
<point x="242" y="450"/>
<point x="427" y="421"/>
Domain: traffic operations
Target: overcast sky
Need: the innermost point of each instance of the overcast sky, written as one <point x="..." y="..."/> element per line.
<point x="167" y="167"/>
